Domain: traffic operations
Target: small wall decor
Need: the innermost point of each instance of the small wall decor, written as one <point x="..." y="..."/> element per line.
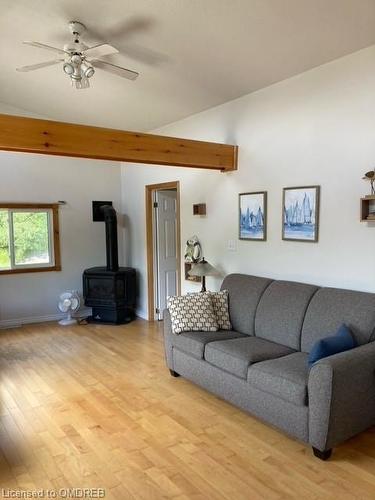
<point x="370" y="176"/>
<point x="253" y="216"/>
<point x="368" y="209"/>
<point x="300" y="220"/>
<point x="193" y="250"/>
<point x="193" y="253"/>
<point x="189" y="277"/>
<point x="199" y="209"/>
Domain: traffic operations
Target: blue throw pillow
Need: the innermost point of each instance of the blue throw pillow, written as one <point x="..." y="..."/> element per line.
<point x="342" y="341"/>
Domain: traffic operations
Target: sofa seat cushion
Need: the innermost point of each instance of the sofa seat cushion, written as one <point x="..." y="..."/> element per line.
<point x="235" y="356"/>
<point x="285" y="377"/>
<point x="193" y="343"/>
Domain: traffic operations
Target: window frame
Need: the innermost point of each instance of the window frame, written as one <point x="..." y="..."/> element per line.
<point x="54" y="238"/>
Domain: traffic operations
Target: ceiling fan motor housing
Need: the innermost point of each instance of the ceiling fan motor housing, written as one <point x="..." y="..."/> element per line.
<point x="76" y="28"/>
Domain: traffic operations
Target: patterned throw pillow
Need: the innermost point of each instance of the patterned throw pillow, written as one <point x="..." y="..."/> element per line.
<point x="221" y="310"/>
<point x="192" y="312"/>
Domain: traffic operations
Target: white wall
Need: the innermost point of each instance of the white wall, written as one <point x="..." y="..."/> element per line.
<point x="8" y="109"/>
<point x="316" y="128"/>
<point x="39" y="178"/>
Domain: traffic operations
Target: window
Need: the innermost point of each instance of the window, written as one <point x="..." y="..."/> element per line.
<point x="29" y="238"/>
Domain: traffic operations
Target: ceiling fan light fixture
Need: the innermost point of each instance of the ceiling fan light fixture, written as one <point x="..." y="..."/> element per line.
<point x="87" y="70"/>
<point x="77" y="84"/>
<point x="76" y="59"/>
<point x="80" y="83"/>
<point x="80" y="61"/>
<point x="68" y="68"/>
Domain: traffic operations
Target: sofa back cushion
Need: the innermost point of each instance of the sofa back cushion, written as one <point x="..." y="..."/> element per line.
<point x="331" y="307"/>
<point x="281" y="312"/>
<point x="244" y="295"/>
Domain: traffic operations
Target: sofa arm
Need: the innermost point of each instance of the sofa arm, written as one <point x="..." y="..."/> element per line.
<point x="341" y="392"/>
<point x="167" y="339"/>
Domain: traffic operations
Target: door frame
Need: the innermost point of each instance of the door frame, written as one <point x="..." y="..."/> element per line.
<point x="150" y="223"/>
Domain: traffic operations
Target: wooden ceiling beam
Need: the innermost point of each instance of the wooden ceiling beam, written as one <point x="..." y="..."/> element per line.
<point x="32" y="135"/>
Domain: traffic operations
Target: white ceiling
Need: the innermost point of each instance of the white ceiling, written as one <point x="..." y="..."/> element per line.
<point x="200" y="53"/>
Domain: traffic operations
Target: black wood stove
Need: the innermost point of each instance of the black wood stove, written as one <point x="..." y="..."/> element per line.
<point x="110" y="290"/>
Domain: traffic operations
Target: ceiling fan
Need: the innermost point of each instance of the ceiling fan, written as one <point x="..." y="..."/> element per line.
<point x="79" y="60"/>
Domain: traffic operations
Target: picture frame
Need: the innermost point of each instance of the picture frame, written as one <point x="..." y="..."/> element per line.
<point x="300" y="214"/>
<point x="252" y="216"/>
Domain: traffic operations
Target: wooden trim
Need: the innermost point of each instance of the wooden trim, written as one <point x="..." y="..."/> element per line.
<point x="365" y="208"/>
<point x="33" y="206"/>
<point x="30" y="270"/>
<point x="163" y="185"/>
<point x="150" y="254"/>
<point x="234" y="159"/>
<point x="55" y="237"/>
<point x="31" y="135"/>
<point x="149" y="190"/>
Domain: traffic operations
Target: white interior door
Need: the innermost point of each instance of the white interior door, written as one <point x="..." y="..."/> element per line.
<point x="165" y="248"/>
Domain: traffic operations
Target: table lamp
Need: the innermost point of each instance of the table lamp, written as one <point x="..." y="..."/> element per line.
<point x="203" y="269"/>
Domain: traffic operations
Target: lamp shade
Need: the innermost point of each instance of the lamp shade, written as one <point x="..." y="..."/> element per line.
<point x="203" y="268"/>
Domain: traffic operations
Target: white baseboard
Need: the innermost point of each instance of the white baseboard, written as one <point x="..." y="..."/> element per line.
<point x="83" y="313"/>
<point x="16" y="322"/>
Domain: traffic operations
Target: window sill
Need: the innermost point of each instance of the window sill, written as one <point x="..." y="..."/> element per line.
<point x="30" y="270"/>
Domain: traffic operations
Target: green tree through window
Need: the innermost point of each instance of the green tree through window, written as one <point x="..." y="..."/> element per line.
<point x="30" y="233"/>
<point x="26" y="238"/>
<point x="4" y="240"/>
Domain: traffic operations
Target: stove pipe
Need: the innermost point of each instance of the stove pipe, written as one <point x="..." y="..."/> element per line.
<point x="110" y="220"/>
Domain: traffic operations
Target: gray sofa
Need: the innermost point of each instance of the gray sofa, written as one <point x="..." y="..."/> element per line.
<point x="261" y="365"/>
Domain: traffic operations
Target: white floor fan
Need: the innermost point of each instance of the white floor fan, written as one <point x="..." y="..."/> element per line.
<point x="68" y="303"/>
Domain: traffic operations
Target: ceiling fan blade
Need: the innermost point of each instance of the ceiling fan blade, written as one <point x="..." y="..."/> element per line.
<point x="116" y="70"/>
<point x="44" y="46"/>
<point x="33" y="67"/>
<point x="103" y="49"/>
<point x="124" y="30"/>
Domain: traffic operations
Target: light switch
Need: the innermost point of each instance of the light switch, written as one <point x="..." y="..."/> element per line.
<point x="232" y="245"/>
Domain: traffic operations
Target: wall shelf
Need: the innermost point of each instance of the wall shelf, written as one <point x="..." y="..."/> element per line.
<point x="199" y="209"/>
<point x="368" y="209"/>
<point x="188" y="266"/>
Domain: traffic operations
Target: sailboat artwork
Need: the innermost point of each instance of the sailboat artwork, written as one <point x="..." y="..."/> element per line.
<point x="253" y="216"/>
<point x="301" y="213"/>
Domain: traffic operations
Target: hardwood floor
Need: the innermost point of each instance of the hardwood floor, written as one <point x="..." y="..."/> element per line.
<point x="95" y="406"/>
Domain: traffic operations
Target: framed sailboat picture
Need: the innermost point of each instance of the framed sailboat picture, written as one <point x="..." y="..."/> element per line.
<point x="301" y="213"/>
<point x="253" y="216"/>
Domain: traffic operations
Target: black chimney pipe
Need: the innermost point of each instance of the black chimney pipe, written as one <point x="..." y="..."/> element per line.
<point x="110" y="220"/>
